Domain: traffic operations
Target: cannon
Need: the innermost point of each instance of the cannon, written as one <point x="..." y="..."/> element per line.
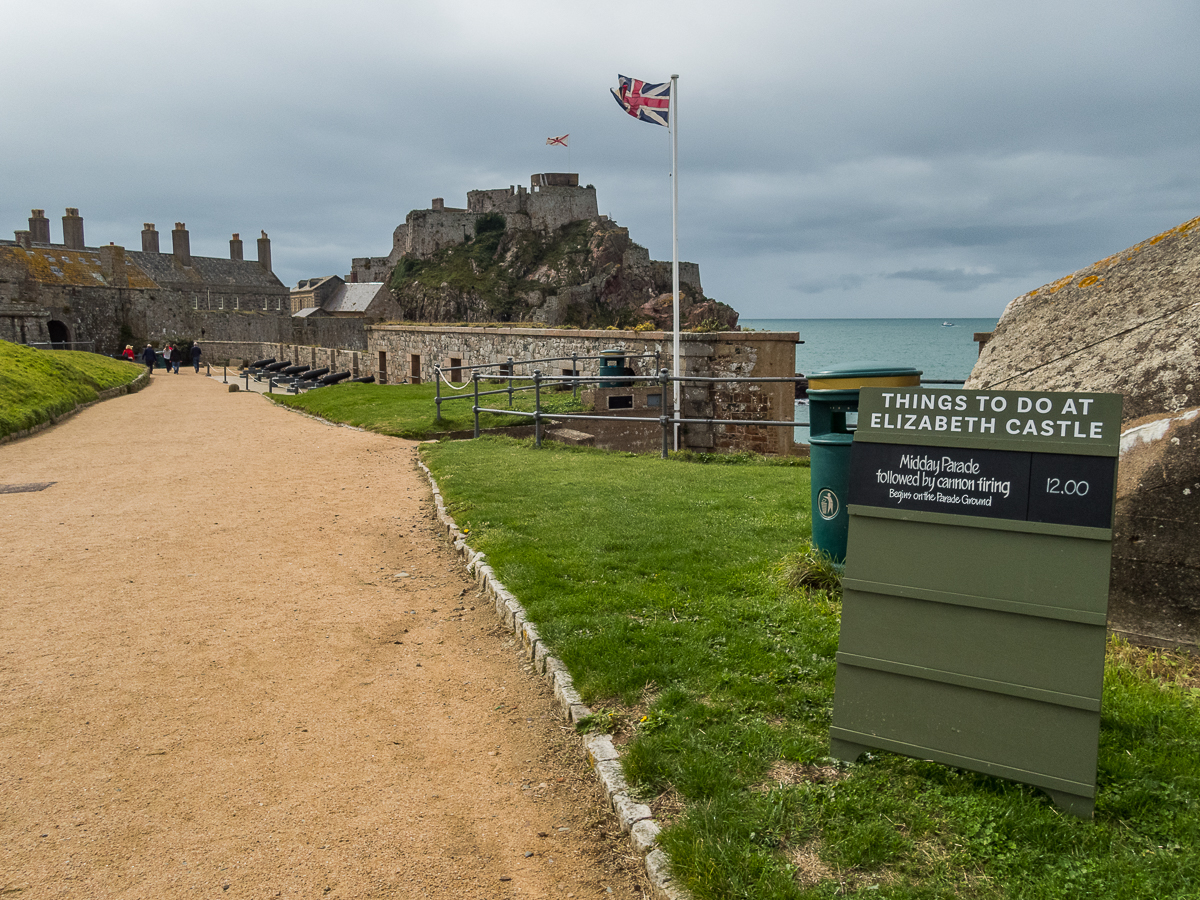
<point x="334" y="377"/>
<point x="295" y="370"/>
<point x="278" y="366"/>
<point x="314" y="374"/>
<point x="260" y="363"/>
<point x="366" y="379"/>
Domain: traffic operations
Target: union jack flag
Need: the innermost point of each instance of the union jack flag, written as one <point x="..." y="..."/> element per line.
<point x="558" y="141"/>
<point x="648" y="102"/>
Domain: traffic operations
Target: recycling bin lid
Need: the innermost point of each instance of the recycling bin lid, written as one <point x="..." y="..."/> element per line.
<point x="864" y="374"/>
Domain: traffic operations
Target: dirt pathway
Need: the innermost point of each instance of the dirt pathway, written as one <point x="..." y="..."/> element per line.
<point x="215" y="682"/>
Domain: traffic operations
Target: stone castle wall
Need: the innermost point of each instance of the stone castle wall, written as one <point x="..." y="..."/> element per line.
<point x="408" y="349"/>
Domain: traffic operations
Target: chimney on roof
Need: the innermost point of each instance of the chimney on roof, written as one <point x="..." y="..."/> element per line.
<point x="264" y="252"/>
<point x="439" y="203"/>
<point x="149" y="238"/>
<point x="181" y="244"/>
<point x="72" y="229"/>
<point x="235" y="246"/>
<point x="112" y="265"/>
<point x="25" y="239"/>
<point x="39" y="227"/>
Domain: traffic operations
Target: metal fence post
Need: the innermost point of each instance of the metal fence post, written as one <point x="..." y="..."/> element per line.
<point x="475" y="380"/>
<point x="537" y="408"/>
<point x="511" y="372"/>
<point x="575" y="374"/>
<point x="224" y="374"/>
<point x="663" y="420"/>
<point x="437" y="376"/>
<point x="247" y="379"/>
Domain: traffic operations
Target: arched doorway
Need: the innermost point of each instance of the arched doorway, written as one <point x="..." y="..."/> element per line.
<point x="59" y="333"/>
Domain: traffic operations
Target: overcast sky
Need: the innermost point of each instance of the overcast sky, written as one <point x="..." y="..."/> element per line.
<point x="851" y="159"/>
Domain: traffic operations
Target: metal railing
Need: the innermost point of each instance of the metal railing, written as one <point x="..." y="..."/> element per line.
<point x="85" y="346"/>
<point x="507" y="371"/>
<point x="669" y="420"/>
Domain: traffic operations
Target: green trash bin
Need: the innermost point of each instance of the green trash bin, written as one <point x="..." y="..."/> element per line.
<point x="612" y="365"/>
<point x="832" y="415"/>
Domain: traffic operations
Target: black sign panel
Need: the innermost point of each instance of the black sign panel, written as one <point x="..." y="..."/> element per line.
<point x="998" y="484"/>
<point x="993" y="483"/>
<point x="1071" y="490"/>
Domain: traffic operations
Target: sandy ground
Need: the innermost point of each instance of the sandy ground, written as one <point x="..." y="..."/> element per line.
<point x="213" y="683"/>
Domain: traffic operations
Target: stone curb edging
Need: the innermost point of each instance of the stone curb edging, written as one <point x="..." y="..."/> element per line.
<point x="635" y="818"/>
<point x="107" y="394"/>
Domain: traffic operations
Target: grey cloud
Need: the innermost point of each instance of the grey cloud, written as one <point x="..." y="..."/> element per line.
<point x="955" y="280"/>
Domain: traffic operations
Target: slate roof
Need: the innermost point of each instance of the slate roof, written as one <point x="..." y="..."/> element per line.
<point x="310" y="312"/>
<point x="205" y="271"/>
<point x="354" y="297"/>
<point x="57" y="265"/>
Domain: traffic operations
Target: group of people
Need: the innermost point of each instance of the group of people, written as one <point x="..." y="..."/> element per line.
<point x="172" y="356"/>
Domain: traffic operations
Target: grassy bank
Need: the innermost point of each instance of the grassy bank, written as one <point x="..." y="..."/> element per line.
<point x="663" y="586"/>
<point x="38" y="384"/>
<point x="409" y="410"/>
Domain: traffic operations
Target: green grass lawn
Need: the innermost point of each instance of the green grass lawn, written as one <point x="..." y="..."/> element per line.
<point x="663" y="587"/>
<point x="38" y="384"/>
<point x="409" y="410"/>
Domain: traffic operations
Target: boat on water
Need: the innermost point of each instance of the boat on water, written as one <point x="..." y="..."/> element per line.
<point x="948" y="325"/>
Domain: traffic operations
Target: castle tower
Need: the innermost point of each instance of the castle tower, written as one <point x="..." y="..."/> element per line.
<point x="39" y="227"/>
<point x="149" y="238"/>
<point x="264" y="252"/>
<point x="235" y="246"/>
<point x="181" y="244"/>
<point x="72" y="229"/>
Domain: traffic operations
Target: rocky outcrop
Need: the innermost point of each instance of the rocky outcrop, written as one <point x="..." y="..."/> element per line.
<point x="1128" y="324"/>
<point x="588" y="273"/>
<point x="1156" y="554"/>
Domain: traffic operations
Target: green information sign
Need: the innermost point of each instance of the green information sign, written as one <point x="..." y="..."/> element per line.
<point x="976" y="583"/>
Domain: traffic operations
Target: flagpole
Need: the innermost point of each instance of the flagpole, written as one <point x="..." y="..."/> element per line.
<point x="675" y="239"/>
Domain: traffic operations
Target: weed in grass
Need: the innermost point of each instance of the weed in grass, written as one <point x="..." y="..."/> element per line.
<point x="811" y="568"/>
<point x="601" y="721"/>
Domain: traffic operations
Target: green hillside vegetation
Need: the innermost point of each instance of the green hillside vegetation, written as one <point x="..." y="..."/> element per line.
<point x="495" y="265"/>
<point x="38" y="384"/>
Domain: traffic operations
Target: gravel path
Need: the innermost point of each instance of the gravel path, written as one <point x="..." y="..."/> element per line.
<point x="239" y="660"/>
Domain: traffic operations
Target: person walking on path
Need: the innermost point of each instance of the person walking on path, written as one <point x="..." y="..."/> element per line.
<point x="176" y="359"/>
<point x="148" y="356"/>
<point x="196" y="356"/>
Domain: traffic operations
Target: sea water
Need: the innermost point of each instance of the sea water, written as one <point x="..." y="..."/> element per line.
<point x="943" y="349"/>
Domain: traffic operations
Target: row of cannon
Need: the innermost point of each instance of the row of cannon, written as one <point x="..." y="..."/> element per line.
<point x="298" y="378"/>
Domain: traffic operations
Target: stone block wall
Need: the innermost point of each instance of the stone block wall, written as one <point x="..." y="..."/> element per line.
<point x="720" y="354"/>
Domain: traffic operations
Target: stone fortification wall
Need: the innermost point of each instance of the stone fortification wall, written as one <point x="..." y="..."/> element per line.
<point x="370" y="268"/>
<point x="425" y="231"/>
<point x="217" y="353"/>
<point x="246" y="343"/>
<point x="405" y="349"/>
<point x="547" y="206"/>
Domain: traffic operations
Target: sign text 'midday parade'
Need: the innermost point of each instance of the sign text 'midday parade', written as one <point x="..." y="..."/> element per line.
<point x="988" y="414"/>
